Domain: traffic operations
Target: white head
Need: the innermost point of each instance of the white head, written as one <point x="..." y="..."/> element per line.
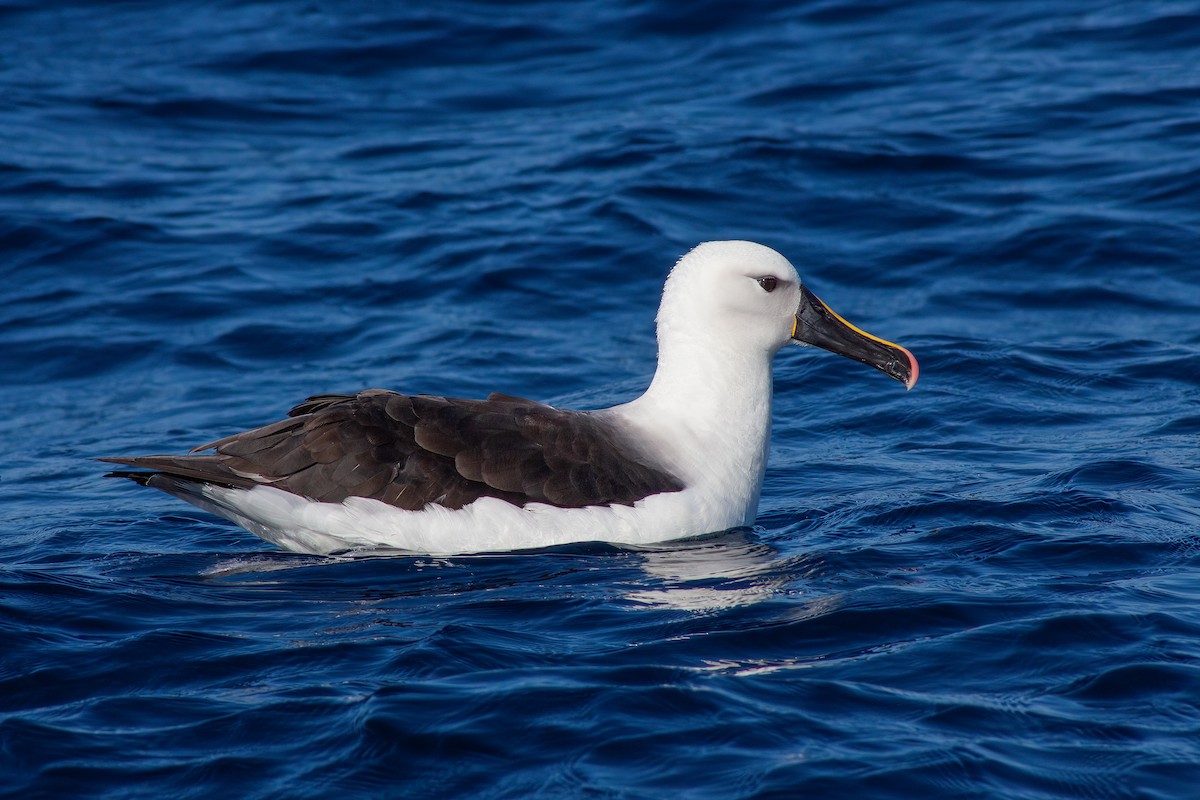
<point x="739" y="295"/>
<point x="747" y="298"/>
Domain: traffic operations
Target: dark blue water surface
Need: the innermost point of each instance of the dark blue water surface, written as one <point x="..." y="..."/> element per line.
<point x="986" y="587"/>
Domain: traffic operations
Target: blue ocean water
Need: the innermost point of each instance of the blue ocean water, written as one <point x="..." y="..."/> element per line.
<point x="986" y="587"/>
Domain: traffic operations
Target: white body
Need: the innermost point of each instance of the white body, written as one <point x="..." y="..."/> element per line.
<point x="705" y="418"/>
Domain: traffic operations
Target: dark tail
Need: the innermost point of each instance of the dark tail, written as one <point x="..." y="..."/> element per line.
<point x="198" y="469"/>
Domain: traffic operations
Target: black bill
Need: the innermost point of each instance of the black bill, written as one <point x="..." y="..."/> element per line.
<point x="817" y="324"/>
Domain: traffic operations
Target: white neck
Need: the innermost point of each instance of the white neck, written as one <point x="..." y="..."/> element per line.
<point x="708" y="414"/>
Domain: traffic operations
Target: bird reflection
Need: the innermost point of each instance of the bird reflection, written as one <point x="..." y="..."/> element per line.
<point x="720" y="571"/>
<point x="716" y="572"/>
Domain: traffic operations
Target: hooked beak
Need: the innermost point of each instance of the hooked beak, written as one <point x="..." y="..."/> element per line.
<point x="817" y="324"/>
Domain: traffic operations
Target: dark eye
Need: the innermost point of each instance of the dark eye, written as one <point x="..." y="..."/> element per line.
<point x="768" y="283"/>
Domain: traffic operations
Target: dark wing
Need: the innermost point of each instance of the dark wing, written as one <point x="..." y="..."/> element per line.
<point x="409" y="451"/>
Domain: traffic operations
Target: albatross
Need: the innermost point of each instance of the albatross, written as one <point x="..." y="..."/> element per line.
<point x="380" y="470"/>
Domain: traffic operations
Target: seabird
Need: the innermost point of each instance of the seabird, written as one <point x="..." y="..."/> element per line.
<point x="379" y="470"/>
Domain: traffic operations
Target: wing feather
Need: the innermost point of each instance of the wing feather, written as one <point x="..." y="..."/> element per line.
<point x="413" y="450"/>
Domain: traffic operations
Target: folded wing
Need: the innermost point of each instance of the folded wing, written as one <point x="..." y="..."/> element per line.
<point x="413" y="450"/>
